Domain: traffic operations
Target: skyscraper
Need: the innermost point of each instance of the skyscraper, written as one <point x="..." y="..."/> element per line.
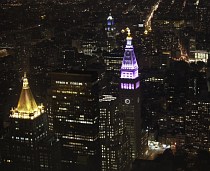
<point x="115" y="147"/>
<point x="74" y="117"/>
<point x="111" y="34"/>
<point x="110" y="26"/>
<point x="28" y="145"/>
<point x="197" y="124"/>
<point x="130" y="97"/>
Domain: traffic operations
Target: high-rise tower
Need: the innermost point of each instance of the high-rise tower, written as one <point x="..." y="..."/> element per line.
<point x="130" y="96"/>
<point x="28" y="146"/>
<point x="111" y="34"/>
<point x="74" y="117"/>
<point x="115" y="147"/>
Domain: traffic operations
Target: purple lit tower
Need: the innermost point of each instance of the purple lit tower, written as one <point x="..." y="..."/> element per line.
<point x="130" y="97"/>
<point x="129" y="68"/>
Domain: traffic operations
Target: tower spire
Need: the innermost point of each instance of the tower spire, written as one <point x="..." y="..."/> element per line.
<point x="129" y="68"/>
<point x="25" y="82"/>
<point x="27" y="107"/>
<point x="128" y="38"/>
<point x="26" y="103"/>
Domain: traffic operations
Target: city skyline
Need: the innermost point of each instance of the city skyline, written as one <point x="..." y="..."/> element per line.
<point x="114" y="85"/>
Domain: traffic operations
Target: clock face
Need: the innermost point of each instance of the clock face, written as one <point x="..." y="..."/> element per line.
<point x="127" y="101"/>
<point x="127" y="57"/>
<point x="127" y="53"/>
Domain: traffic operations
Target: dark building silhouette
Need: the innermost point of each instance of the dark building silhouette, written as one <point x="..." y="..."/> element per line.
<point x="74" y="117"/>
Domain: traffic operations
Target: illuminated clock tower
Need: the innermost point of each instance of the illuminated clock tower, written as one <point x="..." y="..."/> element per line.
<point x="130" y="96"/>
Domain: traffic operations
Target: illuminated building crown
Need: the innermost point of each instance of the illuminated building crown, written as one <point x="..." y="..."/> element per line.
<point x="110" y="23"/>
<point x="27" y="107"/>
<point x="129" y="67"/>
<point x="110" y="17"/>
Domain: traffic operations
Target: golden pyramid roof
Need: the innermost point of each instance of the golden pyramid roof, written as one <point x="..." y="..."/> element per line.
<point x="26" y="103"/>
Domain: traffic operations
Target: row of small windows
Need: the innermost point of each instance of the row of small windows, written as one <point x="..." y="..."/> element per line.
<point x="153" y="79"/>
<point x="67" y="92"/>
<point x="21" y="138"/>
<point x="127" y="74"/>
<point x="70" y="83"/>
<point x="80" y="137"/>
